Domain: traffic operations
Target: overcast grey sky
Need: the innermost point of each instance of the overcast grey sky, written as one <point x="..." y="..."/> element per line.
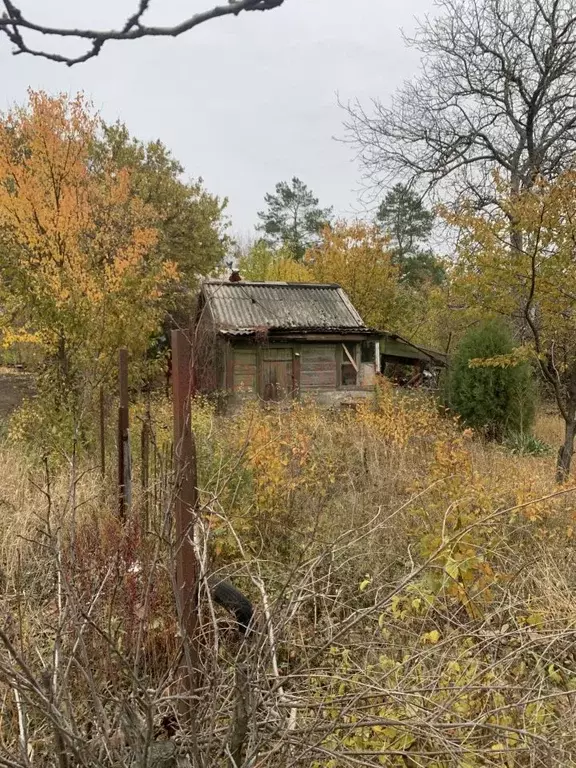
<point x="243" y="102"/>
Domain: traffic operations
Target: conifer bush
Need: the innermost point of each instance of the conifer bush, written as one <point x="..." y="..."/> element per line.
<point x="498" y="399"/>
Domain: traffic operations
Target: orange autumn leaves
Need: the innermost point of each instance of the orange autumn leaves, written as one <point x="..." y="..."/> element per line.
<point x="78" y="270"/>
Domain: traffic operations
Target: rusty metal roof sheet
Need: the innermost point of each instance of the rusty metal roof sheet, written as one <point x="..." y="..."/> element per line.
<point x="246" y="306"/>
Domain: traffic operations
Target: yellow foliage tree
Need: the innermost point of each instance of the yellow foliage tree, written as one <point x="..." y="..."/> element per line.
<point x="263" y="263"/>
<point x="534" y="285"/>
<point x="77" y="271"/>
<point x="357" y="257"/>
<point x="437" y="315"/>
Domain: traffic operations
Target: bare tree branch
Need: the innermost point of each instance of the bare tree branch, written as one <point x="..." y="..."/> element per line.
<point x="496" y="91"/>
<point x="14" y="25"/>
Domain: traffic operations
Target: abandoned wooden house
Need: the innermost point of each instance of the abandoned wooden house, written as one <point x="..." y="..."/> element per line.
<point x="283" y="340"/>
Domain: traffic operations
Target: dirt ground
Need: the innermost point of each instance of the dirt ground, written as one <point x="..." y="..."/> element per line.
<point x="14" y="387"/>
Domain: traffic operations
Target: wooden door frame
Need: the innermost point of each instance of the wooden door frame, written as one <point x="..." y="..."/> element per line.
<point x="296" y="366"/>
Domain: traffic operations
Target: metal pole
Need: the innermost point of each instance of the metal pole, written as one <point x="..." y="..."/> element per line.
<point x="185" y="510"/>
<point x="123" y="439"/>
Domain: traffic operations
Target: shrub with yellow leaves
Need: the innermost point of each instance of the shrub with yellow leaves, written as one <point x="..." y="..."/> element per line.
<point x="415" y="583"/>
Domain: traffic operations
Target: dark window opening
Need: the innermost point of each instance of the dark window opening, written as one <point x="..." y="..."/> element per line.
<point x="368" y="352"/>
<point x="349" y="373"/>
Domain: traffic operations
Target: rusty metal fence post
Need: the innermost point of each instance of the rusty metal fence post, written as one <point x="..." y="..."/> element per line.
<point x="124" y="470"/>
<point x="185" y="510"/>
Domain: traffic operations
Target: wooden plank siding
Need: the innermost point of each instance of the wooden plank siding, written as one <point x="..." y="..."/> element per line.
<point x="318" y="366"/>
<point x="245" y="369"/>
<point x="277" y="371"/>
<point x="396" y="350"/>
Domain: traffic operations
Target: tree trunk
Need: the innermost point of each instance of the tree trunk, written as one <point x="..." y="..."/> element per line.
<point x="63" y="362"/>
<point x="565" y="453"/>
<point x="521" y="326"/>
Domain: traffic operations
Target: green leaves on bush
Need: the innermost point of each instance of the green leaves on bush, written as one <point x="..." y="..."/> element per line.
<point x="495" y="399"/>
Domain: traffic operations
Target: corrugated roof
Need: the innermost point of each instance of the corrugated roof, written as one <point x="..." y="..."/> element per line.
<point x="250" y="305"/>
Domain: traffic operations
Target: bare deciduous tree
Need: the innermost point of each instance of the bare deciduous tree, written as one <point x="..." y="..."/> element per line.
<point x="17" y="27"/>
<point x="497" y="90"/>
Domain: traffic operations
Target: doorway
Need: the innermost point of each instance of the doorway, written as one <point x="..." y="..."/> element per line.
<point x="277" y="373"/>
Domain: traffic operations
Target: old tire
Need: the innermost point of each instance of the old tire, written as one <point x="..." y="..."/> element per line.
<point x="225" y="594"/>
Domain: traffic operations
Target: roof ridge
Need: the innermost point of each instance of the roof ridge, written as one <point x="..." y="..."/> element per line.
<point x="275" y="283"/>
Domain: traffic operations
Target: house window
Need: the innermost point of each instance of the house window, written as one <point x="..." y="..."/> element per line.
<point x="368" y="352"/>
<point x="349" y="366"/>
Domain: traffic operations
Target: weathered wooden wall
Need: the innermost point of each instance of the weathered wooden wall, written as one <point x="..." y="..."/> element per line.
<point x="367" y="375"/>
<point x="315" y="364"/>
<point x="318" y="367"/>
<point x="245" y="369"/>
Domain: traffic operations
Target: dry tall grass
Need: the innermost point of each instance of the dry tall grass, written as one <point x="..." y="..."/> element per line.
<point x="414" y="591"/>
<point x="549" y="427"/>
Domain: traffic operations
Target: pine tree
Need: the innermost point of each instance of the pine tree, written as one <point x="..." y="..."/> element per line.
<point x="403" y="217"/>
<point x="293" y="218"/>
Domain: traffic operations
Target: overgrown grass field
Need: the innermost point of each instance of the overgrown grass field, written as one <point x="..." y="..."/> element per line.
<point x="414" y="590"/>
